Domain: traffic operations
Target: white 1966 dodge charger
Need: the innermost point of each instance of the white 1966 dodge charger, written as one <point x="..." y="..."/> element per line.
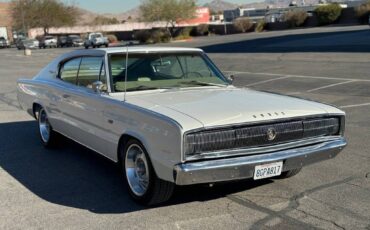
<point x="169" y="117"/>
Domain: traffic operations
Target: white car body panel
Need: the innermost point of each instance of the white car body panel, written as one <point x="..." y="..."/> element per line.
<point x="212" y="107"/>
<point x="158" y="118"/>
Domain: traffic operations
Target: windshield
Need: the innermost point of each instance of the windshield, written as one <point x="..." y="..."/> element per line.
<point x="163" y="71"/>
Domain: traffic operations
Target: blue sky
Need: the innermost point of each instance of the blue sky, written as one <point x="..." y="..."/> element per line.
<point x="117" y="6"/>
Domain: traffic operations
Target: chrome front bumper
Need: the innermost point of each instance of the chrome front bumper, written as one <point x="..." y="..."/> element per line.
<point x="243" y="167"/>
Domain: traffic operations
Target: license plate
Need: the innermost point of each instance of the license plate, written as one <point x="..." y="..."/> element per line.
<point x="268" y="170"/>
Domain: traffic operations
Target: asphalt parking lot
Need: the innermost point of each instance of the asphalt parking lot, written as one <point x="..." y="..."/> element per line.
<point x="73" y="188"/>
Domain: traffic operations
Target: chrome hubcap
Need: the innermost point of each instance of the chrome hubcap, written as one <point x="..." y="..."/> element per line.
<point x="137" y="171"/>
<point x="44" y="126"/>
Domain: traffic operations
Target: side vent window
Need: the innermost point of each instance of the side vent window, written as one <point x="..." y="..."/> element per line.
<point x="69" y="70"/>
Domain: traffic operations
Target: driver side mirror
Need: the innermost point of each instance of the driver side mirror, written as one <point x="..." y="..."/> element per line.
<point x="230" y="78"/>
<point x="97" y="86"/>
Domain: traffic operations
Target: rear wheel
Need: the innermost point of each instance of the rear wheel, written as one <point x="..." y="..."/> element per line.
<point x="47" y="135"/>
<point x="289" y="173"/>
<point x="142" y="182"/>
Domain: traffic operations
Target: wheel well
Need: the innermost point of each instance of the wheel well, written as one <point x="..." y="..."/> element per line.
<point x="122" y="142"/>
<point x="35" y="108"/>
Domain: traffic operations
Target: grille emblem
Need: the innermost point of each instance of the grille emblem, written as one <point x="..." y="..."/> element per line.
<point x="271" y="134"/>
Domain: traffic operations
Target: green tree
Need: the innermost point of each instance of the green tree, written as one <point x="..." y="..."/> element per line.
<point x="363" y="12"/>
<point x="28" y="14"/>
<point x="328" y="14"/>
<point x="243" y="24"/>
<point x="295" y="18"/>
<point x="169" y="11"/>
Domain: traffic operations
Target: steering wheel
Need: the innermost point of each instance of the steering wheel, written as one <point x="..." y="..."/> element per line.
<point x="185" y="75"/>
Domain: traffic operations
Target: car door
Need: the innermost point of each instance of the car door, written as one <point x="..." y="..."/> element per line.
<point x="83" y="108"/>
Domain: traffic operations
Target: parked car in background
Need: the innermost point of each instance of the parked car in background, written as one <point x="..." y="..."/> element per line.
<point x="4" y="43"/>
<point x="74" y="41"/>
<point x="27" y="43"/>
<point x="170" y="117"/>
<point x="48" y="42"/>
<point x="96" y="40"/>
<point x="62" y="41"/>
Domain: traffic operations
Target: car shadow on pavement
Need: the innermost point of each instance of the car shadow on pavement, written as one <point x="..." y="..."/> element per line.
<point x="343" y="41"/>
<point x="74" y="176"/>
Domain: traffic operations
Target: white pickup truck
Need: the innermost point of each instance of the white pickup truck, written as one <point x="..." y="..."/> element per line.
<point x="4" y="43"/>
<point x="96" y="40"/>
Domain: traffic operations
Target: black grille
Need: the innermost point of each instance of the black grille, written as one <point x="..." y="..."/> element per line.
<point x="259" y="135"/>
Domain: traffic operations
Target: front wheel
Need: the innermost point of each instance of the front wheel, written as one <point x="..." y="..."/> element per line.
<point x="47" y="135"/>
<point x="142" y="182"/>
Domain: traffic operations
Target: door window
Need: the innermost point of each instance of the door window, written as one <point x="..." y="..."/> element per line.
<point x="69" y="70"/>
<point x="90" y="71"/>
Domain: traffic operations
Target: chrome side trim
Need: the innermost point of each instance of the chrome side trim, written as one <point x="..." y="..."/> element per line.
<point x="78" y="142"/>
<point x="243" y="167"/>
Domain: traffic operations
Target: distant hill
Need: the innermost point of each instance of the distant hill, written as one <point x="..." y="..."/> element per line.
<point x="86" y="16"/>
<point x="219" y="5"/>
<point x="215" y="6"/>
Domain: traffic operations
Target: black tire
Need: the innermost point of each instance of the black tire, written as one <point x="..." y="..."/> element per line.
<point x="52" y="140"/>
<point x="289" y="173"/>
<point x="86" y="47"/>
<point x="94" y="46"/>
<point x="158" y="190"/>
<point x="106" y="45"/>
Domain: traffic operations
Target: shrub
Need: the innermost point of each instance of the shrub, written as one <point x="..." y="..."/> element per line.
<point x="159" y="35"/>
<point x="202" y="29"/>
<point x="363" y="12"/>
<point x="153" y="36"/>
<point x="260" y="26"/>
<point x="142" y="35"/>
<point x="184" y="33"/>
<point x="295" y="18"/>
<point x="112" y="38"/>
<point x="243" y="24"/>
<point x="328" y="14"/>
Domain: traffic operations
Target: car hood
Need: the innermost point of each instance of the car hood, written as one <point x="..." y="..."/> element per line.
<point x="223" y="106"/>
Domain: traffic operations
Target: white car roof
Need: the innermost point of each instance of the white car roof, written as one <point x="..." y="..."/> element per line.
<point x="131" y="49"/>
<point x="149" y="49"/>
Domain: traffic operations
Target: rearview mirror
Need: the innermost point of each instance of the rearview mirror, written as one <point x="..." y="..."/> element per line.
<point x="97" y="86"/>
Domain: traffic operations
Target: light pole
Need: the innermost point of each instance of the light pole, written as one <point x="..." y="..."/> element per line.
<point x="22" y="13"/>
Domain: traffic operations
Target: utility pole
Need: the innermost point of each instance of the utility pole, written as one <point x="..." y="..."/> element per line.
<point x="23" y="24"/>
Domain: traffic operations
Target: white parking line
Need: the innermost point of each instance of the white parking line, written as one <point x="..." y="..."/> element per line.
<point x="261" y="82"/>
<point x="355" y="105"/>
<point x="298" y="76"/>
<point x="331" y="85"/>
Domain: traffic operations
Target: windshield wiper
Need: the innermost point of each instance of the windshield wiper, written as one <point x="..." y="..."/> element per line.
<point x="201" y="83"/>
<point x="141" y="87"/>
